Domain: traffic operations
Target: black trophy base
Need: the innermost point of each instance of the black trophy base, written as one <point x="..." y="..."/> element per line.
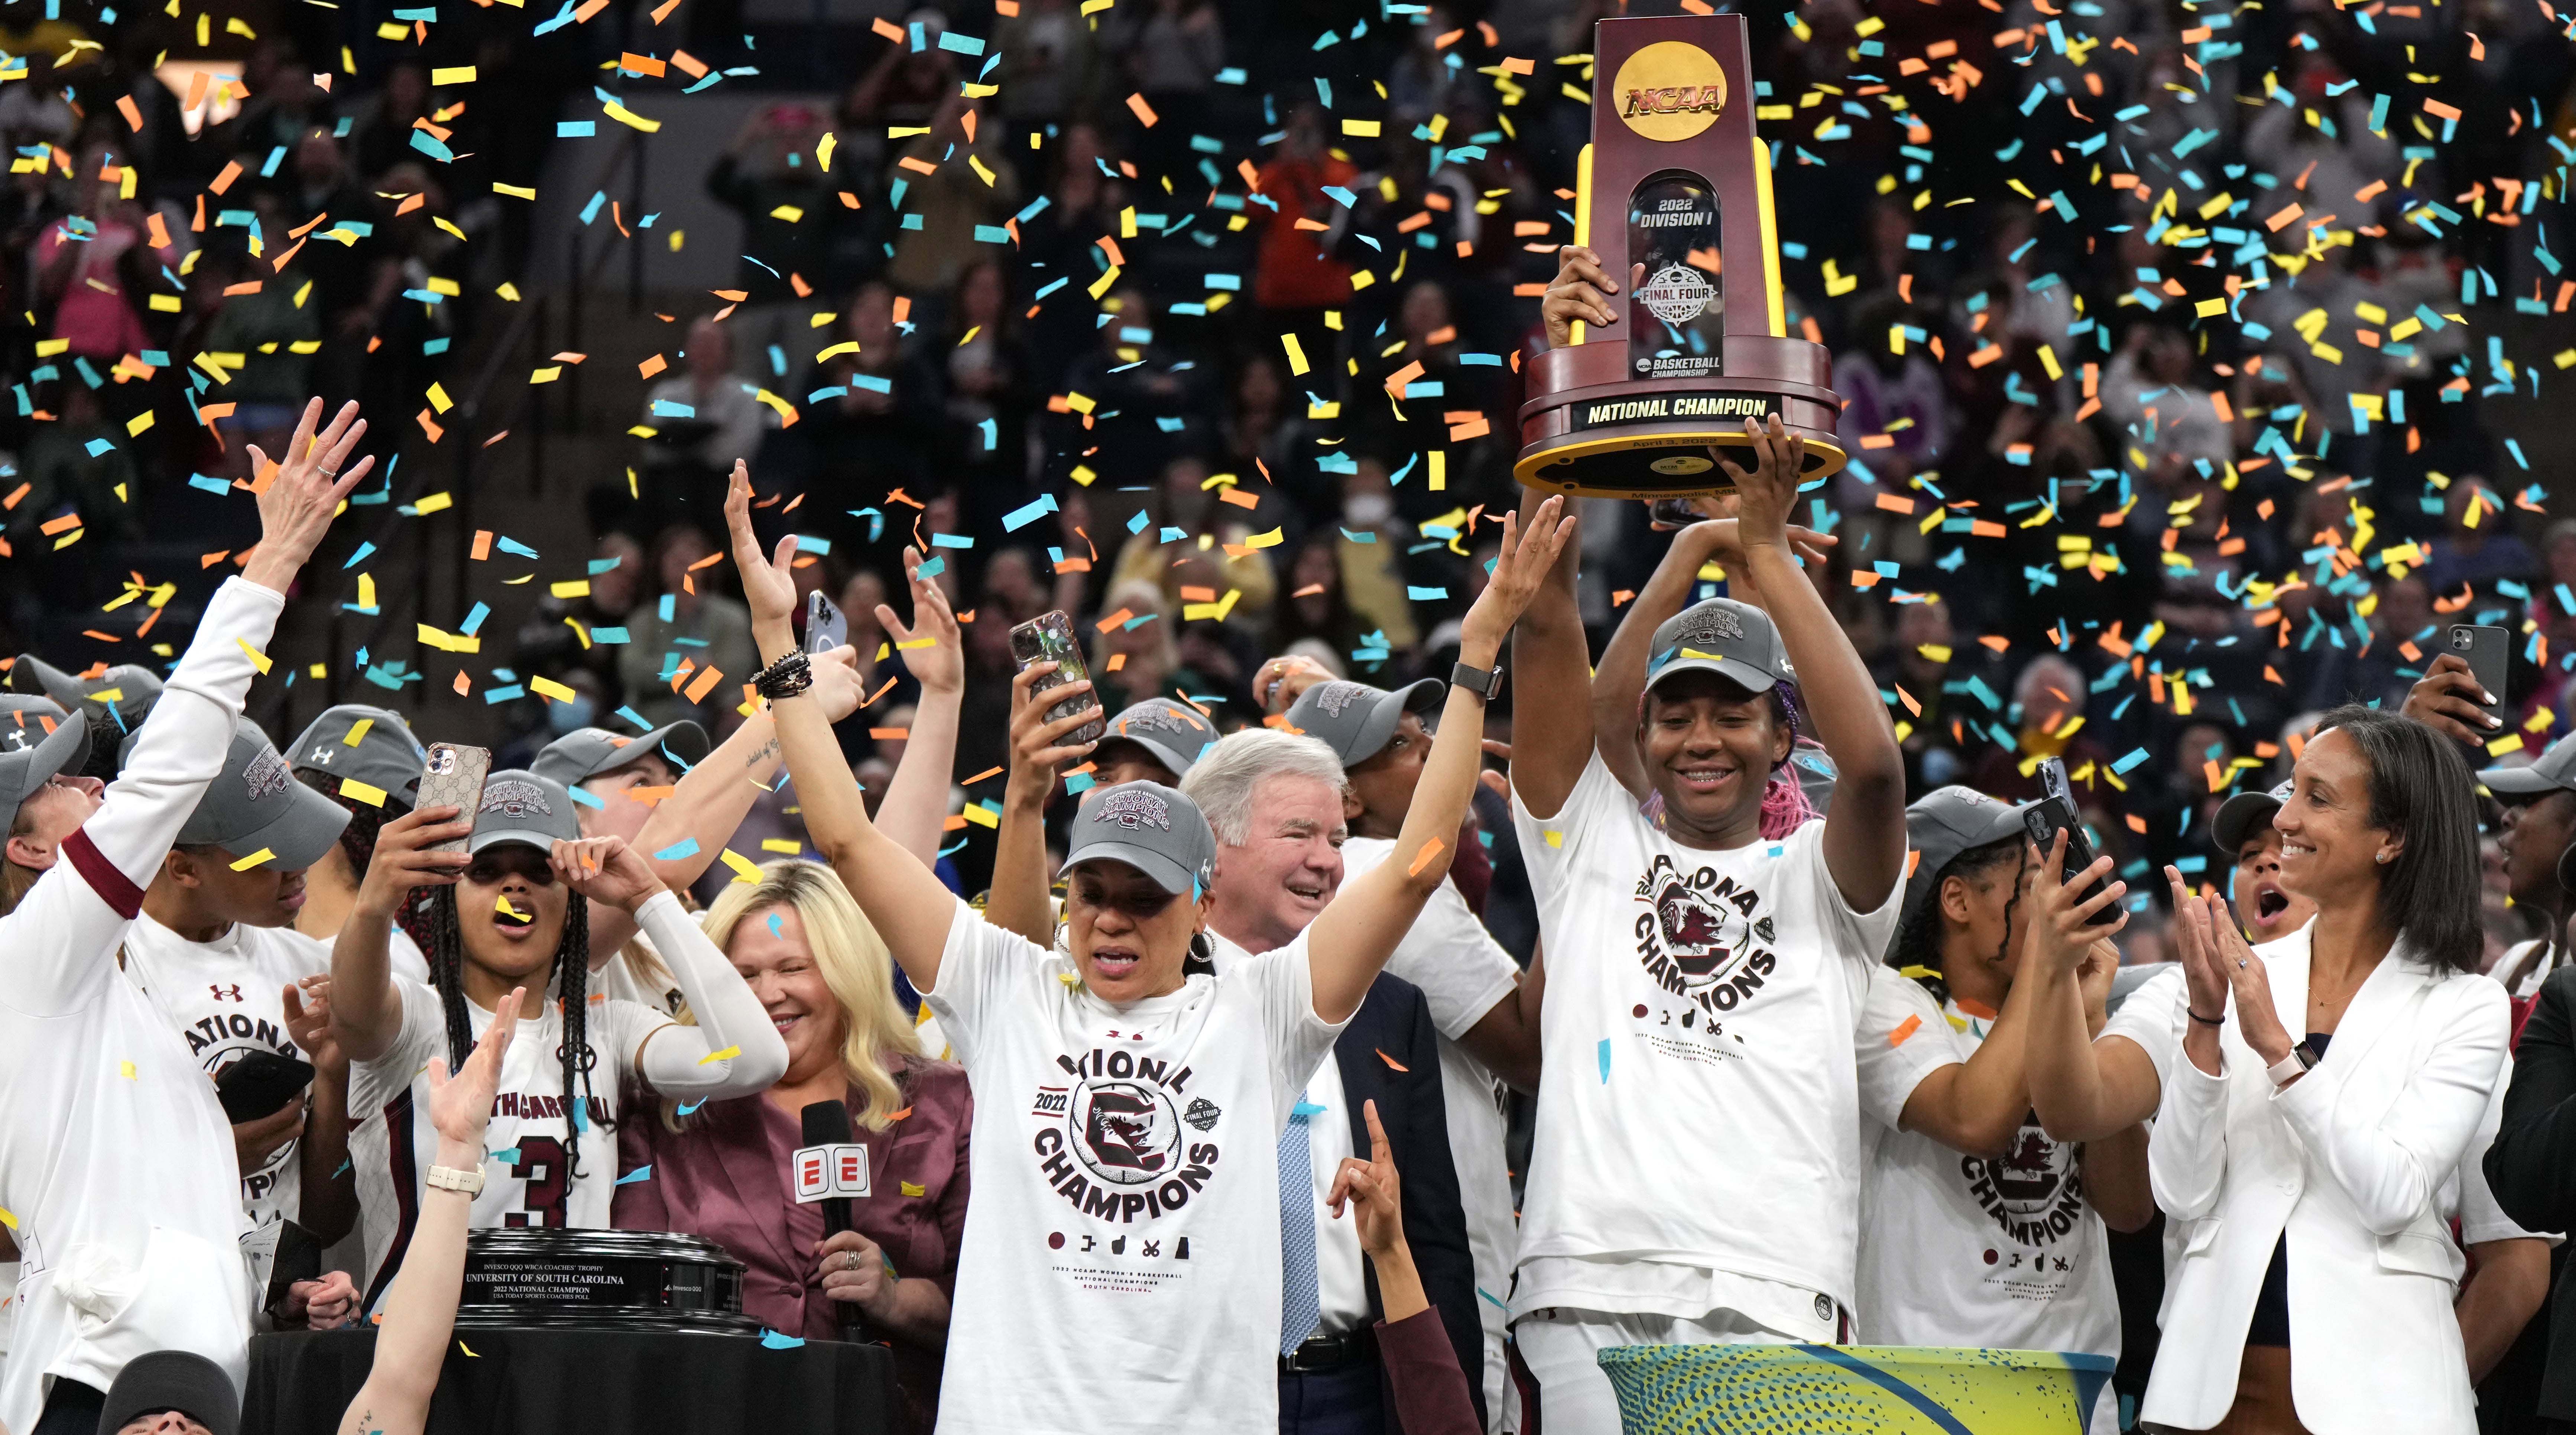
<point x="1590" y="430"/>
<point x="593" y="1280"/>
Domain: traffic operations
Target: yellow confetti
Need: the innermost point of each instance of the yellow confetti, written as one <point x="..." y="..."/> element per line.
<point x="1296" y="354"/>
<point x="253" y="860"/>
<point x="125" y="1069"/>
<point x="743" y="868"/>
<point x="258" y="659"/>
<point x="452" y="75"/>
<point x="356" y="791"/>
<point x="728" y="1054"/>
<point x="8" y="1218"/>
<point x="913" y="1188"/>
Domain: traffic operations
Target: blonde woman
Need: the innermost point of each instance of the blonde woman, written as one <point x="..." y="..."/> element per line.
<point x="720" y="1170"/>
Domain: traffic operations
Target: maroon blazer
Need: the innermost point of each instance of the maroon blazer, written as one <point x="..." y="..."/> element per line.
<point x="725" y="1177"/>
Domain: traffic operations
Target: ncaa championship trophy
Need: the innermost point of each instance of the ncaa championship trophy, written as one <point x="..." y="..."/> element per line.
<point x="1675" y="198"/>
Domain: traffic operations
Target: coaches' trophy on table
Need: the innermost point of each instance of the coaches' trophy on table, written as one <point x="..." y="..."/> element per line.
<point x="1675" y="198"/>
<point x="585" y="1279"/>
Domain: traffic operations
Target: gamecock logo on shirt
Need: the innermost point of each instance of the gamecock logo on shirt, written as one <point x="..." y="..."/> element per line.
<point x="1698" y="938"/>
<point x="1115" y="1142"/>
<point x="2032" y="1191"/>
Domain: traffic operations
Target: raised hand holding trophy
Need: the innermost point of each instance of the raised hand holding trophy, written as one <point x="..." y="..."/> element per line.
<point x="1675" y="198"/>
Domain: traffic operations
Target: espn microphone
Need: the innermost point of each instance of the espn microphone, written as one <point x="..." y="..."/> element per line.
<point x="827" y="1136"/>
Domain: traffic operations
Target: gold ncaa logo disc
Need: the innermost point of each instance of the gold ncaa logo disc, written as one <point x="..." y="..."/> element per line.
<point x="1670" y="90"/>
<point x="1682" y="464"/>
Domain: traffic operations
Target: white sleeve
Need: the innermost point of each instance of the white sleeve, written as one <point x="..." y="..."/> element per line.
<point x="420" y="1034"/>
<point x="62" y="934"/>
<point x="1299" y="1040"/>
<point x="1857" y="935"/>
<point x="976" y="969"/>
<point x="1547" y="843"/>
<point x="2481" y="1219"/>
<point x="1900" y="1038"/>
<point x="1463" y="972"/>
<point x="734" y="1049"/>
<point x="2152" y="1016"/>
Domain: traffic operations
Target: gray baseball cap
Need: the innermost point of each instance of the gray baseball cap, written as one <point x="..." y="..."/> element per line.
<point x="1944" y="823"/>
<point x="1734" y="640"/>
<point x="1357" y="721"/>
<point x="2553" y="770"/>
<point x="585" y="753"/>
<point x="31" y="755"/>
<point x="256" y="804"/>
<point x="370" y="745"/>
<point x="115" y="701"/>
<point x="2241" y="816"/>
<point x="1149" y="827"/>
<point x="1172" y="731"/>
<point x="521" y="806"/>
<point x="180" y="1380"/>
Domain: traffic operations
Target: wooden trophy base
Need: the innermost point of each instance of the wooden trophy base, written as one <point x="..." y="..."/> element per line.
<point x="1590" y="430"/>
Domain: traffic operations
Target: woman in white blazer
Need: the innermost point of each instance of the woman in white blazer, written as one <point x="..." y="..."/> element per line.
<point x="2310" y="1095"/>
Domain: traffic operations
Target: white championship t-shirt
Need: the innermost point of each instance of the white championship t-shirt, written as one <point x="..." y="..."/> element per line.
<point x="227" y="999"/>
<point x="528" y="1178"/>
<point x="1120" y="1270"/>
<point x="1711" y="1046"/>
<point x="1464" y="973"/>
<point x="2002" y="1254"/>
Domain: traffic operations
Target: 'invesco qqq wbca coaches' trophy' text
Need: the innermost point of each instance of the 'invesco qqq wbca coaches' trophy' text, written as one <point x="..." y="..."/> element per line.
<point x="1675" y="198"/>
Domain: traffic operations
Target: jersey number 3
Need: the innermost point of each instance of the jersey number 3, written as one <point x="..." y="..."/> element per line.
<point x="545" y="1168"/>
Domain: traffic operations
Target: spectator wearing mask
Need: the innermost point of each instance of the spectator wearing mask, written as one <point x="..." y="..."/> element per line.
<point x="2326" y="1151"/>
<point x="1024" y="1020"/>
<point x="216" y="950"/>
<point x="1693" y="935"/>
<point x="511" y="911"/>
<point x="126" y="1192"/>
<point x="824" y="978"/>
<point x="2006" y="1249"/>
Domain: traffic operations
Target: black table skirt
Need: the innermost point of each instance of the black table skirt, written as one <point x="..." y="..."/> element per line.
<point x="548" y="1382"/>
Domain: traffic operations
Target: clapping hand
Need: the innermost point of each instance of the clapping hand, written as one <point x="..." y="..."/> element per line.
<point x="461" y="1105"/>
<point x="2214" y="952"/>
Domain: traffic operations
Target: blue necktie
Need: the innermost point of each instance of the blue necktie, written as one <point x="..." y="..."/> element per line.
<point x="1300" y="1288"/>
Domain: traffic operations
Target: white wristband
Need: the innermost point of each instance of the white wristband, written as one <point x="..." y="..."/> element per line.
<point x="448" y="1178"/>
<point x="2286" y="1068"/>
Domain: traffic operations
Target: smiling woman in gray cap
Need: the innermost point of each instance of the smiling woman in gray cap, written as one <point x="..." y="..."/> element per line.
<point x="1128" y="1189"/>
<point x="42" y="750"/>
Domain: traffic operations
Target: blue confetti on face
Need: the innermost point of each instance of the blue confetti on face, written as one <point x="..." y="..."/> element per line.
<point x="774" y="928"/>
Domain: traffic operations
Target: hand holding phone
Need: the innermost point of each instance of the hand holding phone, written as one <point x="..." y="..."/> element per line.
<point x="259" y="1084"/>
<point x="1048" y="638"/>
<point x="826" y="626"/>
<point x="2487" y="651"/>
<point x="2054" y="813"/>
<point x="453" y="777"/>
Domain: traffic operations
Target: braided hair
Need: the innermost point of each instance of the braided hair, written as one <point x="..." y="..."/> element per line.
<point x="1917" y="949"/>
<point x="569" y="976"/>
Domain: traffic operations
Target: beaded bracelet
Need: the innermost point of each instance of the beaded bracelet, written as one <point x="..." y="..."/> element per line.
<point x="786" y="678"/>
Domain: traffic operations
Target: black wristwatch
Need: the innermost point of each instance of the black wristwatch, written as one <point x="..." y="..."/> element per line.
<point x="1483" y="682"/>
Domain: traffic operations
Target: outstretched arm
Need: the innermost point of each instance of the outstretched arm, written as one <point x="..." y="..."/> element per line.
<point x="1551" y="740"/>
<point x="734" y="1048"/>
<point x="1864" y="841"/>
<point x="420" y="1311"/>
<point x="67" y="925"/>
<point x="907" y="905"/>
<point x="1019" y="901"/>
<point x="1359" y="929"/>
<point x="366" y="1012"/>
<point x="706" y="807"/>
<point x="915" y="808"/>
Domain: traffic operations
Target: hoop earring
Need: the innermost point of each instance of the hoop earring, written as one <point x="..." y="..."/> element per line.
<point x="1201" y="947"/>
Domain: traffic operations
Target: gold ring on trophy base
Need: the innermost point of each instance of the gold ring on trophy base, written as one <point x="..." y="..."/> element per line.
<point x="1660" y="461"/>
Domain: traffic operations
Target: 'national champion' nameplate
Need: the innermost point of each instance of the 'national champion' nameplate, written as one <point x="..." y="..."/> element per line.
<point x="1732" y="408"/>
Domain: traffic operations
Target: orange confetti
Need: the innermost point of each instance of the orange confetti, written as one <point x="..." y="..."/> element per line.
<point x="1144" y="112"/>
<point x="1905" y="1031"/>
<point x="1431" y="851"/>
<point x="1391" y="1061"/>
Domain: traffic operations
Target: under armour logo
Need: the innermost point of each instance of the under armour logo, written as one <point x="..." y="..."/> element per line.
<point x="223" y="993"/>
<point x="321" y="756"/>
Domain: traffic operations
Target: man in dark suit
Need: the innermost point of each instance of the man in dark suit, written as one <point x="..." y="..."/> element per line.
<point x="1275" y="800"/>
